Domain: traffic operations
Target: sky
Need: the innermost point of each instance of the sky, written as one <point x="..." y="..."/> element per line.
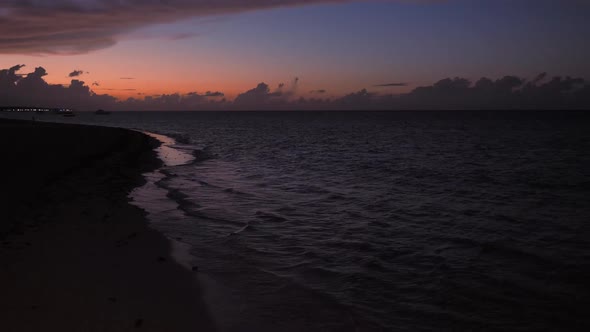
<point x="326" y="49"/>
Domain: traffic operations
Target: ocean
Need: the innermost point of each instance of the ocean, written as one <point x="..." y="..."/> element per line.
<point x="376" y="221"/>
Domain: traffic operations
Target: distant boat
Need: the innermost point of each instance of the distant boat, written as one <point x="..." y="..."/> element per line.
<point x="63" y="112"/>
<point x="68" y="113"/>
<point x="102" y="112"/>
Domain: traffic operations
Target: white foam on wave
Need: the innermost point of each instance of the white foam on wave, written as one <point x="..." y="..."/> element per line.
<point x="154" y="199"/>
<point x="170" y="153"/>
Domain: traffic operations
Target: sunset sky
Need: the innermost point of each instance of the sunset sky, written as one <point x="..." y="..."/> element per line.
<point x="136" y="48"/>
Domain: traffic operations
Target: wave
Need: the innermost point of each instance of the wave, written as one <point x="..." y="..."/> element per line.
<point x="247" y="226"/>
<point x="400" y="229"/>
<point x="179" y="137"/>
<point x="202" y="155"/>
<point x="235" y="192"/>
<point x="267" y="216"/>
<point x="183" y="142"/>
<point x="186" y="205"/>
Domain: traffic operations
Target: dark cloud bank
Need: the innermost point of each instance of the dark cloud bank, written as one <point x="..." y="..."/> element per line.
<point x="509" y="92"/>
<point x="81" y="26"/>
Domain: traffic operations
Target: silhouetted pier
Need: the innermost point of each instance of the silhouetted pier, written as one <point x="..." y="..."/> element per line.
<point x="35" y="109"/>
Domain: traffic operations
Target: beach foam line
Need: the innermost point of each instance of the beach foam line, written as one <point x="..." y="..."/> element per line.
<point x="154" y="198"/>
<point x="169" y="152"/>
<point x="151" y="191"/>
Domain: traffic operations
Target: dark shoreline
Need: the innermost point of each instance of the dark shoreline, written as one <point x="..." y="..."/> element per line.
<point x="74" y="254"/>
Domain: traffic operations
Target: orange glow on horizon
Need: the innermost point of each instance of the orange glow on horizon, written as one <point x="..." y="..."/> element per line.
<point x="117" y="72"/>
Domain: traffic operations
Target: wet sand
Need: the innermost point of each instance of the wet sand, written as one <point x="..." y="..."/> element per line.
<point x="74" y="254"/>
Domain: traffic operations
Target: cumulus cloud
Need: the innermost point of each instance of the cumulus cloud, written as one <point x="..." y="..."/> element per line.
<point x="356" y="99"/>
<point x="8" y="77"/>
<point x="81" y="26"/>
<point x="260" y="95"/>
<point x="76" y="73"/>
<point x="509" y="92"/>
<point x="214" y="94"/>
<point x="32" y="90"/>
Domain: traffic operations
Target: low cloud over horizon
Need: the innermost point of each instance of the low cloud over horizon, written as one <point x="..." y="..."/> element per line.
<point x="509" y="92"/>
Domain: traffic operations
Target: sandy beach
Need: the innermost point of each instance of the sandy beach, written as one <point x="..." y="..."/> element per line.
<point x="74" y="254"/>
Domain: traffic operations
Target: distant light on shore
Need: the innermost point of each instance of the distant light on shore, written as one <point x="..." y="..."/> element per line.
<point x="32" y="109"/>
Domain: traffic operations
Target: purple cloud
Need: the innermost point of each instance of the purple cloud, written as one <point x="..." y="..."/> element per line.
<point x="509" y="92"/>
<point x="82" y="26"/>
<point x="214" y="94"/>
<point x="76" y="73"/>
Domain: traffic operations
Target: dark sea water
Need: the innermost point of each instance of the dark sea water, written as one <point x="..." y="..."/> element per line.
<point x="405" y="221"/>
